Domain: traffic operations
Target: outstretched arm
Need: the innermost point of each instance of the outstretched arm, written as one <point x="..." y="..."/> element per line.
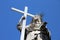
<point x="19" y="25"/>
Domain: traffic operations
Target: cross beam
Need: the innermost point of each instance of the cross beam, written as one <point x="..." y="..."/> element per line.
<point x="22" y="12"/>
<point x="24" y="21"/>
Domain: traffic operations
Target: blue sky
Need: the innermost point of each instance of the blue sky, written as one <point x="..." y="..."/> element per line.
<point x="9" y="18"/>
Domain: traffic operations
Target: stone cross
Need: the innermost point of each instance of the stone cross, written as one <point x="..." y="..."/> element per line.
<point x="25" y="12"/>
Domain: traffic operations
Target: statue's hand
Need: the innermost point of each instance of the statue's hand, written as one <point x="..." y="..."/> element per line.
<point x="23" y="17"/>
<point x="31" y="36"/>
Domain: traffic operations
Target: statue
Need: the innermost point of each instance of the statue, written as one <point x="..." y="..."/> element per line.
<point x="36" y="30"/>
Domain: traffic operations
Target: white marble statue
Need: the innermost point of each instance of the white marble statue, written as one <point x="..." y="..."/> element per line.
<point x="36" y="30"/>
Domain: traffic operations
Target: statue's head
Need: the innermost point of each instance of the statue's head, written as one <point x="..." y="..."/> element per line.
<point x="37" y="22"/>
<point x="37" y="19"/>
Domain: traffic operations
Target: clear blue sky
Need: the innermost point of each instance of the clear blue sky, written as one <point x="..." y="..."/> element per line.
<point x="9" y="18"/>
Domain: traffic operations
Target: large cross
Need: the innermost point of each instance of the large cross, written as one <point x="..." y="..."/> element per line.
<point x="24" y="21"/>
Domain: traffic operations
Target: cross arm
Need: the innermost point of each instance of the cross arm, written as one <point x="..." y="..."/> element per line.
<point x="22" y="12"/>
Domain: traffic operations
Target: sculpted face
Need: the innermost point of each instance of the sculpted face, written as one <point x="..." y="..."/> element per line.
<point x="37" y="19"/>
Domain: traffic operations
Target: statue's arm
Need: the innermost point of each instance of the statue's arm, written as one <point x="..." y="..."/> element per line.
<point x="27" y="27"/>
<point x="19" y="25"/>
